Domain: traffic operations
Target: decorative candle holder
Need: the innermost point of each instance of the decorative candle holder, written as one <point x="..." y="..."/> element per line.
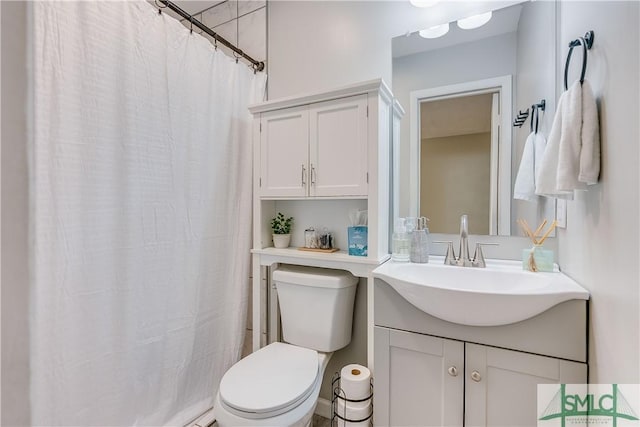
<point x="537" y="259"/>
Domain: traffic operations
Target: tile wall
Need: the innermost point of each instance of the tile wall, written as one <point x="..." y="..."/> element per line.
<point x="243" y="22"/>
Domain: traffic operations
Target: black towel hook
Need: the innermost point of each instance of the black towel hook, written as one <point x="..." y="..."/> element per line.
<point x="535" y="111"/>
<point x="586" y="42"/>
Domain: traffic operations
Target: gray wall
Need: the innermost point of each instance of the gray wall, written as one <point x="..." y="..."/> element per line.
<point x="455" y="179"/>
<point x="535" y="81"/>
<point x="15" y="209"/>
<point x="599" y="248"/>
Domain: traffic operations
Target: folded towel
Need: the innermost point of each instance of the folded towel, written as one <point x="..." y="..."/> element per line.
<point x="525" y="185"/>
<point x="590" y="152"/>
<point x="572" y="157"/>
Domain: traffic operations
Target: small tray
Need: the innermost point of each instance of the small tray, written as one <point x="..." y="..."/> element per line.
<point x="328" y="251"/>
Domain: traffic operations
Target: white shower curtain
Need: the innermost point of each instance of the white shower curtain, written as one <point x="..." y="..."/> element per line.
<point x="140" y="169"/>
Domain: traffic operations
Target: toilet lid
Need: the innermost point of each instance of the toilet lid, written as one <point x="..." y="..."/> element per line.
<point x="274" y="377"/>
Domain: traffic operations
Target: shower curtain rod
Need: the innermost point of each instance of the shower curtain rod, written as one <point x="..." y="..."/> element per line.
<point x="257" y="65"/>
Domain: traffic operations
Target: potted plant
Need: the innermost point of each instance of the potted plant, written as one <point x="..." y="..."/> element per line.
<point x="281" y="227"/>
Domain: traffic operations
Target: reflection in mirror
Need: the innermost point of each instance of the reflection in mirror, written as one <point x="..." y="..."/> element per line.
<point x="511" y="45"/>
<point x="455" y="162"/>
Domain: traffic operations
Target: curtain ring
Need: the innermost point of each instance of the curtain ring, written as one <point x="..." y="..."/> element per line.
<point x="191" y="20"/>
<point x="160" y="7"/>
<point x="236" y="56"/>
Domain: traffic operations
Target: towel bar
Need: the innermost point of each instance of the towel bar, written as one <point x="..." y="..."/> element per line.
<point x="586" y="42"/>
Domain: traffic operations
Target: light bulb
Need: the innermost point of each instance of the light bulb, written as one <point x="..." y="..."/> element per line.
<point x="435" y="31"/>
<point x="474" y="21"/>
<point x="423" y="3"/>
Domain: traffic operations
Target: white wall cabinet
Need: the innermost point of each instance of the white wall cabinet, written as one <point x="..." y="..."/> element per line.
<point x="423" y="380"/>
<point x="316" y="150"/>
<point x="318" y="157"/>
<point x="338" y="147"/>
<point x="284" y="152"/>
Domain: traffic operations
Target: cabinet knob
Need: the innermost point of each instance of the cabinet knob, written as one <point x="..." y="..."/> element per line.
<point x="453" y="371"/>
<point x="475" y="375"/>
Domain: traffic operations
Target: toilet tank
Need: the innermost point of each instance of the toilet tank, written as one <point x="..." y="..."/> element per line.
<point x="316" y="306"/>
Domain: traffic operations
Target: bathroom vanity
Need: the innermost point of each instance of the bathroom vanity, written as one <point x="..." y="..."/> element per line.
<point x="429" y="371"/>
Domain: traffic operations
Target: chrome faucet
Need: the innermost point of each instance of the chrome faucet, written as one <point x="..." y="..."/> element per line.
<point x="463" y="259"/>
<point x="463" y="252"/>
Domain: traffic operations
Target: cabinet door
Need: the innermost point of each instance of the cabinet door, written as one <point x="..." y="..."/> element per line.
<point x="413" y="385"/>
<point x="338" y="143"/>
<point x="284" y="152"/>
<point x="501" y="385"/>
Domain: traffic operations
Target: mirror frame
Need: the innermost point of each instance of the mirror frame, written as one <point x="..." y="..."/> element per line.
<point x="500" y="180"/>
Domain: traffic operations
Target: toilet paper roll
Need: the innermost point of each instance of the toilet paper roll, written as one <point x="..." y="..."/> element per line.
<point x="353" y="405"/>
<point x="346" y="410"/>
<point x="355" y="381"/>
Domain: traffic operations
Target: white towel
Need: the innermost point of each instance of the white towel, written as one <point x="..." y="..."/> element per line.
<point x="525" y="185"/>
<point x="572" y="157"/>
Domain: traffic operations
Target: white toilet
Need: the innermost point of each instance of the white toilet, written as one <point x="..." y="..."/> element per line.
<point x="279" y="384"/>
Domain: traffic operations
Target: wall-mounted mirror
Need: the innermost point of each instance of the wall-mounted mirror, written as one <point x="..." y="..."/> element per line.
<point x="458" y="151"/>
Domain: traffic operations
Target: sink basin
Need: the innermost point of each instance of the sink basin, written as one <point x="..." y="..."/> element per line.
<point x="500" y="294"/>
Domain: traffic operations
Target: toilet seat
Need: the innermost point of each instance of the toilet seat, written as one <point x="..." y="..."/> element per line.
<point x="271" y="381"/>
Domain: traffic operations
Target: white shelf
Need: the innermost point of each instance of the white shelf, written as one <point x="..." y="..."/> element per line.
<point x="376" y="85"/>
<point x="307" y="198"/>
<point x="358" y="266"/>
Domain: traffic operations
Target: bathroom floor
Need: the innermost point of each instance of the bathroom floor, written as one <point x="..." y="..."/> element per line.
<point x="319" y="421"/>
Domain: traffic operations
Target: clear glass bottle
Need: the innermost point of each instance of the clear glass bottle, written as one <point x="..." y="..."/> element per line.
<point x="400" y="244"/>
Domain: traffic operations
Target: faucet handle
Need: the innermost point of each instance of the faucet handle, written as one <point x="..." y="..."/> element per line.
<point x="478" y="256"/>
<point x="450" y="256"/>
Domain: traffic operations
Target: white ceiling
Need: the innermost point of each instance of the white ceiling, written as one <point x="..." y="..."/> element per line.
<point x="455" y="116"/>
<point x="503" y="21"/>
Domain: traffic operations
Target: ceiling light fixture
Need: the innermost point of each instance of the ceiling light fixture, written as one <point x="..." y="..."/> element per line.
<point x="423" y="3"/>
<point x="474" y="21"/>
<point x="435" y="31"/>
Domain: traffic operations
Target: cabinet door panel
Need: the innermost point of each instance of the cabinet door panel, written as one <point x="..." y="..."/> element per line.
<point x="412" y="378"/>
<point x="338" y="143"/>
<point x="284" y="153"/>
<point x="504" y="391"/>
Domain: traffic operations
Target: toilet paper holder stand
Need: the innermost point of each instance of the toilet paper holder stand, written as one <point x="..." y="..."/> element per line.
<point x="339" y="394"/>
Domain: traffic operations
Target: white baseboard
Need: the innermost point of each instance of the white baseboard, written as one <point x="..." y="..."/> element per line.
<point x="205" y="420"/>
<point x="323" y="408"/>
